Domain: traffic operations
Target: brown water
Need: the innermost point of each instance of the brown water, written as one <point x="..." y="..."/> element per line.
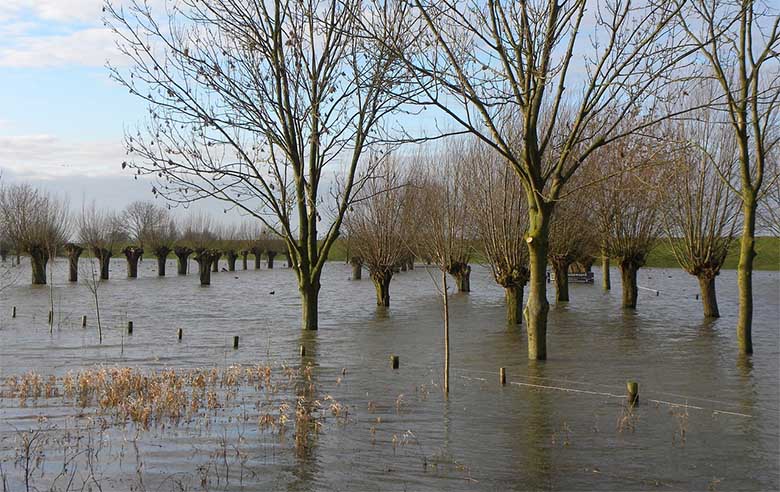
<point x="557" y="425"/>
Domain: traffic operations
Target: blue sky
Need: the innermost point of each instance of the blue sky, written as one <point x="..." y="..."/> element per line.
<point x="61" y="118"/>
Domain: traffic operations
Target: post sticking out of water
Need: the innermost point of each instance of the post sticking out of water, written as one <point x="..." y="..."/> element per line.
<point x="13" y="312"/>
<point x="502" y="376"/>
<point x="179" y="334"/>
<point x="235" y="342"/>
<point x="632" y="387"/>
<point x="51" y="317"/>
<point x="129" y="327"/>
<point x="395" y="361"/>
<point x="84" y="321"/>
<point x="303" y="351"/>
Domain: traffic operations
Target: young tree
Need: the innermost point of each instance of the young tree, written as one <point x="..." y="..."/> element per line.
<point x="741" y="45"/>
<point x="500" y="221"/>
<point x="514" y="74"/>
<point x="701" y="208"/>
<point x="253" y="103"/>
<point x="36" y="223"/>
<point x="377" y="224"/>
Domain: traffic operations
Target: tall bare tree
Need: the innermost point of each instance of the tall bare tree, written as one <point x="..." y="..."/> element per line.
<point x="255" y="103"/>
<point x="701" y="208"/>
<point x="36" y="223"/>
<point x="544" y="83"/>
<point x="741" y="45"/>
<point x="379" y="224"/>
<point x="500" y="220"/>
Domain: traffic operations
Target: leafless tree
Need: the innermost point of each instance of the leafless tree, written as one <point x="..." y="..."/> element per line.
<point x="36" y="223"/>
<point x="545" y="84"/>
<point x="701" y="209"/>
<point x="442" y="218"/>
<point x="102" y="231"/>
<point x="255" y="103"/>
<point x="741" y="45"/>
<point x="572" y="237"/>
<point x="150" y="227"/>
<point x="378" y="223"/>
<point x="500" y="221"/>
<point x="91" y="276"/>
<point x="636" y="218"/>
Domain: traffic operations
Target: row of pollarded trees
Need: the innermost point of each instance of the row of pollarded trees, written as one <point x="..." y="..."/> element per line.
<point x="38" y="224"/>
<point x="462" y="201"/>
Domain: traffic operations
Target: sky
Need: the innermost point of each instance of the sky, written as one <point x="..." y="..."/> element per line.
<point x="62" y="119"/>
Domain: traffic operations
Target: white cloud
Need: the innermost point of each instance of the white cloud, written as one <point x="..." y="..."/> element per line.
<point x="54" y="10"/>
<point x="87" y="47"/>
<point x="47" y="157"/>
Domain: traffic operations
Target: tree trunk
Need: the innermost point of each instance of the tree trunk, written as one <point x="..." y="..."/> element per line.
<point x="74" y="252"/>
<point x="381" y="281"/>
<point x="257" y="252"/>
<point x="446" y="333"/>
<point x="161" y="252"/>
<point x="231" y="257"/>
<point x="104" y="257"/>
<point x="204" y="267"/>
<point x="463" y="279"/>
<point x="245" y="259"/>
<point x="537" y="307"/>
<point x="132" y="254"/>
<point x="708" y="299"/>
<point x="514" y="304"/>
<point x="605" y="281"/>
<point x="357" y="268"/>
<point x="561" y="269"/>
<point x="271" y="255"/>
<point x="747" y="253"/>
<point x="309" y="303"/>
<point x="403" y="265"/>
<point x="628" y="270"/>
<point x="3" y="254"/>
<point x="38" y="260"/>
<point x="411" y="263"/>
<point x="161" y="260"/>
<point x="215" y="263"/>
<point x="181" y="263"/>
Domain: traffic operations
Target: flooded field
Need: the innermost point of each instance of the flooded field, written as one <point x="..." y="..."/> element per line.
<point x="707" y="419"/>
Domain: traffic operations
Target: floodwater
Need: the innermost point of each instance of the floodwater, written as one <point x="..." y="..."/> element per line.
<point x="708" y="419"/>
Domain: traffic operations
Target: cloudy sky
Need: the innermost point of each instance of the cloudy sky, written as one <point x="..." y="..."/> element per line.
<point x="61" y="118"/>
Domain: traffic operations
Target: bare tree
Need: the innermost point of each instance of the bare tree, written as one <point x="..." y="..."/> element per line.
<point x="700" y="209"/>
<point x="533" y="82"/>
<point x="253" y="103"/>
<point x="741" y="44"/>
<point x="377" y="224"/>
<point x="572" y="236"/>
<point x="199" y="236"/>
<point x="91" y="280"/>
<point x="442" y="215"/>
<point x="500" y="221"/>
<point x="102" y="231"/>
<point x="36" y="223"/>
<point x="636" y="223"/>
<point x="150" y="227"/>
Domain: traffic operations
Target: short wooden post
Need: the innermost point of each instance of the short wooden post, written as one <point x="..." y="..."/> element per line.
<point x="632" y="387"/>
<point x="129" y="327"/>
<point x="235" y="342"/>
<point x="697" y="297"/>
<point x="502" y="376"/>
<point x="84" y="321"/>
<point x="657" y="292"/>
<point x="13" y="312"/>
<point x="51" y="317"/>
<point x="395" y="361"/>
<point x="179" y="334"/>
<point x="303" y="351"/>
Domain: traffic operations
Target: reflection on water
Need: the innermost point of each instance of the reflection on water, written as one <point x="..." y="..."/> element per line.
<point x="558" y="429"/>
